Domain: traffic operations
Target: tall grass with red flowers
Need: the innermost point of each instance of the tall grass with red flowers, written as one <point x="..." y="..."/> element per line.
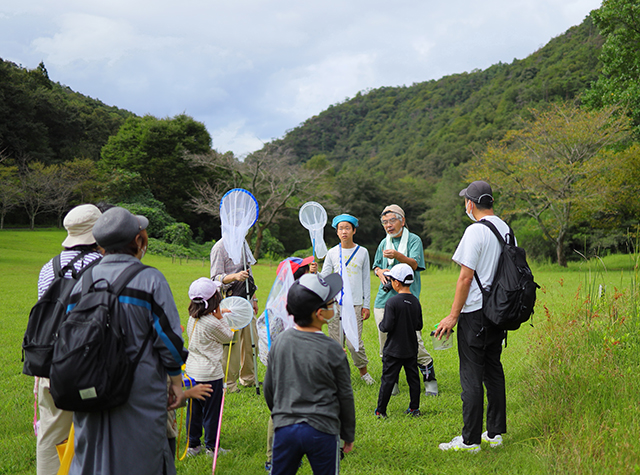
<point x="584" y="385"/>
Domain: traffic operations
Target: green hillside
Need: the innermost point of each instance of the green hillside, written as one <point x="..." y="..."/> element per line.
<point x="406" y="144"/>
<point x="46" y="121"/>
<point x="430" y="125"/>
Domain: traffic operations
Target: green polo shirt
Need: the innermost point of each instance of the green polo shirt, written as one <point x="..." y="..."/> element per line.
<point x="414" y="251"/>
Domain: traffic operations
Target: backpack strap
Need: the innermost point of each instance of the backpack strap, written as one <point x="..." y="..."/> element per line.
<point x="56" y="266"/>
<point x="60" y="271"/>
<point x="119" y="285"/>
<point x="121" y="282"/>
<point x="501" y="240"/>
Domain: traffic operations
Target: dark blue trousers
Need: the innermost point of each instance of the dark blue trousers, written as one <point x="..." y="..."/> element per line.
<point x="292" y="442"/>
<point x="205" y="414"/>
<point x="479" y="349"/>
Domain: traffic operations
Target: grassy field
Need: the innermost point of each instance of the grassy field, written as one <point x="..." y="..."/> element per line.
<point x="572" y="384"/>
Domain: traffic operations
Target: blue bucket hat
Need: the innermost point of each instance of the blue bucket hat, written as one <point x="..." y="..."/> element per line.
<point x="344" y="217"/>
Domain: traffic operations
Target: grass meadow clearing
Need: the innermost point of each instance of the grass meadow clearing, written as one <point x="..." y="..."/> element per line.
<point x="573" y="390"/>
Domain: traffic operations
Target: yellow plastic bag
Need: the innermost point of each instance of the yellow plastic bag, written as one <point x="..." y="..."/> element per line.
<point x="66" y="450"/>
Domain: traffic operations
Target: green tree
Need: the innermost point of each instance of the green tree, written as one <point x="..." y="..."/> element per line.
<point x="155" y="149"/>
<point x="619" y="23"/>
<point x="549" y="169"/>
<point x="9" y="190"/>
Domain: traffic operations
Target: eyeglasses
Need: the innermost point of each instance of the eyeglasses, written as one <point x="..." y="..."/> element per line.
<point x="388" y="221"/>
<point x="329" y="305"/>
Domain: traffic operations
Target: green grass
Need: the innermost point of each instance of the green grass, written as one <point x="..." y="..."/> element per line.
<point x="572" y="385"/>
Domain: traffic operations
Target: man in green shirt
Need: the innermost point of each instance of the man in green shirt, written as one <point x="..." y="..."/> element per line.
<point x="401" y="246"/>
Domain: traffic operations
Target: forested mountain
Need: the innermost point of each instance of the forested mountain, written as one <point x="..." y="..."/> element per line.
<point x="407" y="144"/>
<point x="46" y="121"/>
<point x="428" y="126"/>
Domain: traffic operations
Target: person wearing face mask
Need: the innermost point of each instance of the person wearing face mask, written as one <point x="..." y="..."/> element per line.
<point x="132" y="437"/>
<point x="401" y="247"/>
<point x="479" y="346"/>
<point x="308" y="383"/>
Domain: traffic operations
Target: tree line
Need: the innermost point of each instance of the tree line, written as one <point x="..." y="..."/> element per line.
<point x="555" y="133"/>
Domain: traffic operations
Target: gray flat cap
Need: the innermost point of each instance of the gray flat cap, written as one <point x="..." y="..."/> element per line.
<point x="117" y="227"/>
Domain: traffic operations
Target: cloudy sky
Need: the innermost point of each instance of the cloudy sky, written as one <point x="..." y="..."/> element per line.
<point x="252" y="69"/>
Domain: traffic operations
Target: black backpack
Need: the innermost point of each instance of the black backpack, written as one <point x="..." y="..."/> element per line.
<point x="90" y="370"/>
<point x="47" y="315"/>
<point x="512" y="297"/>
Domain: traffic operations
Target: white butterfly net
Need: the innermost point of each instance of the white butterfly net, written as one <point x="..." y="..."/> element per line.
<point x="347" y="311"/>
<point x="240" y="314"/>
<point x="238" y="212"/>
<point x="314" y="217"/>
<point x="275" y="319"/>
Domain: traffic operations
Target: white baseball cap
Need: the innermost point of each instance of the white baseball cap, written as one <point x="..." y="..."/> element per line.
<point x="311" y="292"/>
<point x="402" y="273"/>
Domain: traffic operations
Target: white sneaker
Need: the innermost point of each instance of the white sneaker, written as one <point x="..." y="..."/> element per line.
<point x="193" y="451"/>
<point x="366" y="377"/>
<point x="431" y="388"/>
<point x="221" y="451"/>
<point x="493" y="443"/>
<point x="458" y="444"/>
<point x="396" y="390"/>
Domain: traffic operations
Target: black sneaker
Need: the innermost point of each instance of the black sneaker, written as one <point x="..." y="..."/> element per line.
<point x="380" y="415"/>
<point x="412" y="412"/>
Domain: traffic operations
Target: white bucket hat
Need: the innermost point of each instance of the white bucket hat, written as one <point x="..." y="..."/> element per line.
<point x="79" y="225"/>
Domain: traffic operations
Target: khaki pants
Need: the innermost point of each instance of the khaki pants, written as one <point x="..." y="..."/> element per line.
<point x="270" y="432"/>
<point x="55" y="425"/>
<point x="424" y="358"/>
<point x="359" y="357"/>
<point x="241" y="360"/>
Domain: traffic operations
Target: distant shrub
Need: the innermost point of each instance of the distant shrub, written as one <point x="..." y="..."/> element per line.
<point x="178" y="233"/>
<point x="195" y="251"/>
<point x="157" y="216"/>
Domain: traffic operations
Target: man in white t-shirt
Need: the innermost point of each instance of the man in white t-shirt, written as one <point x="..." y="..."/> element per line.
<point x="479" y="345"/>
<point x="356" y="263"/>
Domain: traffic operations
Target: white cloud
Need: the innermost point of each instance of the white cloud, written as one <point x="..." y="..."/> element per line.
<point x="255" y="68"/>
<point x="234" y="137"/>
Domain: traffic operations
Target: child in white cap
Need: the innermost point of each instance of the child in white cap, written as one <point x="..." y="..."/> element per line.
<point x="402" y="319"/>
<point x="207" y="331"/>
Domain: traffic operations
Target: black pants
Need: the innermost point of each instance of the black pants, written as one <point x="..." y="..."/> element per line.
<point x="390" y="371"/>
<point x="479" y="351"/>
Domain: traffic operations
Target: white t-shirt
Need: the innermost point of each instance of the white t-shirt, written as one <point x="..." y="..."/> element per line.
<point x="357" y="271"/>
<point x="479" y="250"/>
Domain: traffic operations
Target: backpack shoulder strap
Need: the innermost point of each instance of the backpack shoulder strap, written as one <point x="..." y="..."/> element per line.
<point x="55" y="262"/>
<point x="126" y="276"/>
<point x="501" y="240"/>
<point x="494" y="230"/>
<point x="61" y="271"/>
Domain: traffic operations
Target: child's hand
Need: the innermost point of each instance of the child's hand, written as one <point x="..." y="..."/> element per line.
<point x="347" y="447"/>
<point x="313" y="267"/>
<point x="219" y="311"/>
<point x="199" y="391"/>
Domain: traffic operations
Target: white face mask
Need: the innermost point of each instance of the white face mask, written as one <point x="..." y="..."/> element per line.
<point x="470" y="214"/>
<point x="332" y="307"/>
